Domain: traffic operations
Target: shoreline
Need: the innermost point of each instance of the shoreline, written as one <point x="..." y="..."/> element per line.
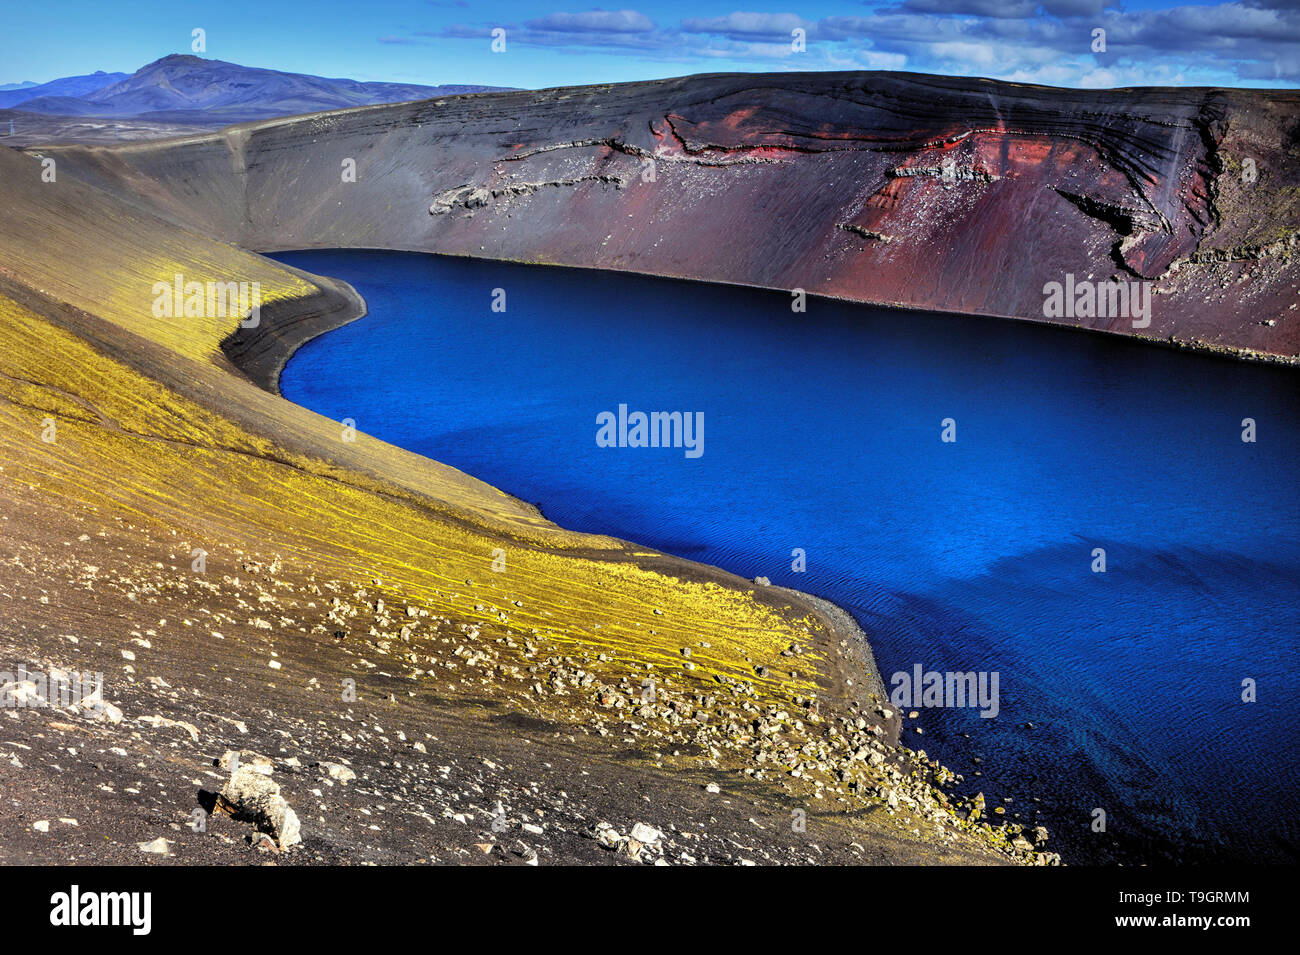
<point x="262" y="354"/>
<point x="854" y="673"/>
<point x="1219" y="285"/>
<point x="1190" y="346"/>
<point x="332" y="558"/>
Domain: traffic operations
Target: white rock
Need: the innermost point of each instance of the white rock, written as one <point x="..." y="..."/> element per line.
<point x="25" y="693"/>
<point x="160" y="722"/>
<point x="158" y="847"/>
<point x="646" y="834"/>
<point x="338" y="771"/>
<point x="94" y="706"/>
<point x="251" y="796"/>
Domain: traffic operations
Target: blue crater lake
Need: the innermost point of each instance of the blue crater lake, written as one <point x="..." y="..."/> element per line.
<point x="822" y="433"/>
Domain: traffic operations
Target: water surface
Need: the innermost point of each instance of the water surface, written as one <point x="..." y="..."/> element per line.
<point x="823" y="433"/>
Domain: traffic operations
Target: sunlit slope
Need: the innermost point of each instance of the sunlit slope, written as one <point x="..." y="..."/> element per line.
<point x="140" y="430"/>
<point x="72" y="244"/>
<point x="165" y="433"/>
<point x="77" y="246"/>
<point x="126" y="445"/>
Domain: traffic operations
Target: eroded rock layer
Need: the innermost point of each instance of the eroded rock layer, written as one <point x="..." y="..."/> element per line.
<point x="927" y="192"/>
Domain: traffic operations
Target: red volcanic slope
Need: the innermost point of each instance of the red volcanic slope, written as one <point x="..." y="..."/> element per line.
<point x="928" y="192"/>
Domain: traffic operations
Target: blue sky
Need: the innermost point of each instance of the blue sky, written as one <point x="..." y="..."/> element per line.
<point x="1148" y="42"/>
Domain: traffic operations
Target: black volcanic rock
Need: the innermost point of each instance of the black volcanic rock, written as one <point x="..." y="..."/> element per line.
<point x="181" y="87"/>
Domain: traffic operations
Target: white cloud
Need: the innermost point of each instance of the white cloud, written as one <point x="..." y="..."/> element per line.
<point x="594" y="21"/>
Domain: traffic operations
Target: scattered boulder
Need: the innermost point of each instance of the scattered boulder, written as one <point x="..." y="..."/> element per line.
<point x="251" y="796"/>
<point x="23" y="693"/>
<point x="337" y="771"/>
<point x="644" y="833"/>
<point x="606" y="836"/>
<point x="157" y="847"/>
<point x="644" y="843"/>
<point x="95" y="707"/>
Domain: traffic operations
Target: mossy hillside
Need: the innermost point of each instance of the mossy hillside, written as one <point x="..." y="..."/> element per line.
<point x="71" y="245"/>
<point x="127" y="445"/>
<point x="130" y="443"/>
<point x="263" y="476"/>
<point x="154" y="429"/>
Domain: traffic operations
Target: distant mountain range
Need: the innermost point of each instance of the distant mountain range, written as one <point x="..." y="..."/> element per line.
<point x="69" y="86"/>
<point x="182" y="88"/>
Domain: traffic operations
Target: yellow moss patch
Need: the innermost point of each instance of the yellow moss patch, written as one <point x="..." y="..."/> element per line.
<point x="129" y="446"/>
